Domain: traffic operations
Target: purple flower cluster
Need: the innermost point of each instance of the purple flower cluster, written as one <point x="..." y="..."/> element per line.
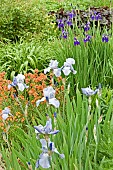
<point x="71" y="14"/>
<point x="64" y="24"/>
<point x="96" y="16"/>
<point x="87" y="27"/>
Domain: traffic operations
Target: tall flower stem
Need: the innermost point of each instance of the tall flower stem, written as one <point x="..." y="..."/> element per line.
<point x="55" y="120"/>
<point x="5" y="135"/>
<point x="89" y="109"/>
<point x="20" y="104"/>
<point x="64" y="100"/>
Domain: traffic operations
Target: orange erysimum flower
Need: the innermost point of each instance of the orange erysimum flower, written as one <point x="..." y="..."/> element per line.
<point x="21" y="97"/>
<point x="27" y="80"/>
<point x="62" y="87"/>
<point x="36" y="70"/>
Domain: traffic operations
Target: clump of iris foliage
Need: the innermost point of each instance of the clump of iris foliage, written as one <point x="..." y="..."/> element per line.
<point x="56" y="92"/>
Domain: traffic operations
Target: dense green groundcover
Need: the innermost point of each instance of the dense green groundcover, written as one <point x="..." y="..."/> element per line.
<point x="29" y="39"/>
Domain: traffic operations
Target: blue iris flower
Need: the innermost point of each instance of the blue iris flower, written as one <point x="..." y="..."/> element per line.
<point x="87" y="38"/>
<point x="105" y="38"/>
<point x="76" y="42"/>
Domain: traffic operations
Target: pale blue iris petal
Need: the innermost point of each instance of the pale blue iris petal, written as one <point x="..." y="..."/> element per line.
<point x="6" y="110"/>
<point x="54" y="102"/>
<point x="44" y="160"/>
<point x="66" y="71"/>
<point x="57" y="72"/>
<point x="87" y="91"/>
<point x="49" y="92"/>
<point x="55" y="150"/>
<point x="48" y="126"/>
<point x="54" y="132"/>
<point x="5" y="113"/>
<point x="44" y="143"/>
<point x="21" y="86"/>
<point x="39" y="129"/>
<point x="70" y="61"/>
<point x="46" y="70"/>
<point x="38" y="101"/>
<point x="5" y="116"/>
<point x="72" y="69"/>
<point x="53" y="64"/>
<point x="62" y="156"/>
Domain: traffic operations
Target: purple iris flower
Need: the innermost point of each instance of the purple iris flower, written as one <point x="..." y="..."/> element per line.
<point x="87" y="39"/>
<point x="64" y="34"/>
<point x="69" y="22"/>
<point x="105" y="38"/>
<point x="76" y="42"/>
<point x="92" y="17"/>
<point x="60" y="24"/>
<point x="55" y="114"/>
<point x="71" y="15"/>
<point x="96" y="16"/>
<point x="87" y="27"/>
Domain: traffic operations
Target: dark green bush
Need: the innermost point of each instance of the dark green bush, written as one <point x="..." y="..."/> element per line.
<point x="20" y="19"/>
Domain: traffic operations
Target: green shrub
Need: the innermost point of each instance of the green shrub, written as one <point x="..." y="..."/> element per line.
<point x="23" y="56"/>
<point x="20" y="19"/>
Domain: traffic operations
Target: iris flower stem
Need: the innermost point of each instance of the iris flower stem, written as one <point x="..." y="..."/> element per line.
<point x="86" y="136"/>
<point x="6" y="137"/>
<point x="89" y="108"/>
<point x="30" y="167"/>
<point x="52" y="167"/>
<point x="64" y="97"/>
<point x="55" y="123"/>
<point x="20" y="105"/>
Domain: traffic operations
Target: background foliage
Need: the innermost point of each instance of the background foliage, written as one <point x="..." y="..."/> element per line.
<point x="28" y="40"/>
